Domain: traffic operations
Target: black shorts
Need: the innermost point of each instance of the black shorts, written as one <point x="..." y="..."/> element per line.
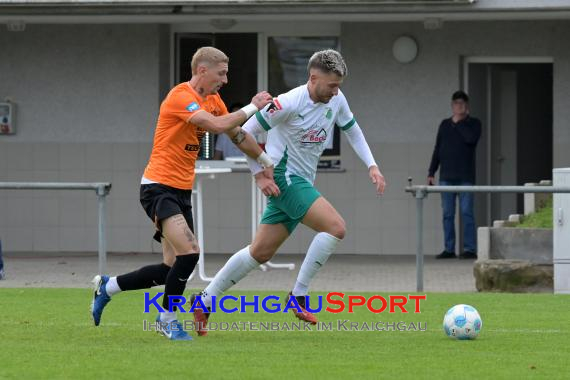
<point x="161" y="202"/>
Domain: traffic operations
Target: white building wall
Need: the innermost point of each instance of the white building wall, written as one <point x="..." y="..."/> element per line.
<point x="88" y="98"/>
<point x="400" y="107"/>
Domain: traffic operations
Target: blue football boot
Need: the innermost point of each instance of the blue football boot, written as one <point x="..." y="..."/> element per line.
<point x="172" y="330"/>
<point x="100" y="297"/>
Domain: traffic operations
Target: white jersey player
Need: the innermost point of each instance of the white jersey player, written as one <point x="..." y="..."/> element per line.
<point x="299" y="129"/>
<point x="299" y="124"/>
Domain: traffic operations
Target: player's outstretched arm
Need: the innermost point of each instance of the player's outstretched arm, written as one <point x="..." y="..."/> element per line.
<point x="246" y="143"/>
<point x="358" y="143"/>
<point x="224" y="123"/>
<point x="262" y="166"/>
<point x="254" y="154"/>
<point x="264" y="175"/>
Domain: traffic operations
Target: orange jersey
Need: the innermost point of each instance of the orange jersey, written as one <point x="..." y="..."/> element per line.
<point x="176" y="140"/>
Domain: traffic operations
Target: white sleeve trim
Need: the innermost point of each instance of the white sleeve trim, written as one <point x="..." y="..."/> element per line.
<point x="253" y="127"/>
<point x="359" y="145"/>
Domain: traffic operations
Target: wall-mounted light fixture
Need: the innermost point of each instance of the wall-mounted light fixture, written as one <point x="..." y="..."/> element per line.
<point x="405" y="49"/>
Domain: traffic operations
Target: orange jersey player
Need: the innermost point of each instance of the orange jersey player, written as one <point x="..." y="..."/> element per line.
<point x="190" y="109"/>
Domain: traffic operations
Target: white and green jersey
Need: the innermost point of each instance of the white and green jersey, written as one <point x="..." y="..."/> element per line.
<point x="299" y="129"/>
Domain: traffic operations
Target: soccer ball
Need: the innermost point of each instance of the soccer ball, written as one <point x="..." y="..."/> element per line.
<point x="462" y="322"/>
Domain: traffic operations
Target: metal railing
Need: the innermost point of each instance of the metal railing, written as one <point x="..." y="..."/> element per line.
<point x="101" y="188"/>
<point x="420" y="192"/>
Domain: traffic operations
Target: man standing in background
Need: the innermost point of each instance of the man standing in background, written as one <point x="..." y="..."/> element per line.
<point x="454" y="151"/>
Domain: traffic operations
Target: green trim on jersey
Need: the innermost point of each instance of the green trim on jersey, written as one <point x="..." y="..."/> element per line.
<point x="296" y="198"/>
<point x="348" y="125"/>
<point x="281" y="167"/>
<point x="262" y="121"/>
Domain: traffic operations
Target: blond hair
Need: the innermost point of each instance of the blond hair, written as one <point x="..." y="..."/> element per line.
<point x="208" y="55"/>
<point x="328" y="61"/>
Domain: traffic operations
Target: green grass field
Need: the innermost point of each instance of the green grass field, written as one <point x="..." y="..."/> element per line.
<point x="48" y="333"/>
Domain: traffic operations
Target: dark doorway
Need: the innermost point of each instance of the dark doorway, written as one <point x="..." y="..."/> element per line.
<point x="514" y="103"/>
<point x="241" y="48"/>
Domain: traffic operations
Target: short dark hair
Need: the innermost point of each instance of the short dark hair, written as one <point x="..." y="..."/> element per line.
<point x="460" y="95"/>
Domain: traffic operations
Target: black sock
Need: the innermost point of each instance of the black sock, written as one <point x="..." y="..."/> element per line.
<point x="177" y="277"/>
<point x="144" y="278"/>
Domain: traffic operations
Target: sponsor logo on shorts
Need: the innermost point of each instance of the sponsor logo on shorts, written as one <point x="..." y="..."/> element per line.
<point x="193" y="107"/>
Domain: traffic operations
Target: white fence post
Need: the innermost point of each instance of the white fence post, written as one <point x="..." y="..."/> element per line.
<point x="561" y="233"/>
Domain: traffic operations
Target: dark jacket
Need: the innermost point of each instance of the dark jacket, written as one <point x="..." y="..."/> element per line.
<point x="455" y="150"/>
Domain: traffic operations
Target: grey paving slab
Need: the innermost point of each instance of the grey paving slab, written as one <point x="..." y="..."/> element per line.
<point x="341" y="273"/>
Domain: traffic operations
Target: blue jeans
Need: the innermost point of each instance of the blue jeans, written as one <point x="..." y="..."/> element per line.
<point x="466" y="207"/>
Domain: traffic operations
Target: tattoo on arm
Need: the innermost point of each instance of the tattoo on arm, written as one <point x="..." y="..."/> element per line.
<point x="238" y="138"/>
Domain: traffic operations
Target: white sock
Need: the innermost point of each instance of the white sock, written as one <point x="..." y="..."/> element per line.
<point x="237" y="267"/>
<point x="168" y="316"/>
<point x="322" y="246"/>
<point x="112" y="287"/>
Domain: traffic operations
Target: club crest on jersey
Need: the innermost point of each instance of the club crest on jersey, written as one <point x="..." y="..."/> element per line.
<point x="314" y="136"/>
<point x="193" y="107"/>
<point x="274" y="106"/>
